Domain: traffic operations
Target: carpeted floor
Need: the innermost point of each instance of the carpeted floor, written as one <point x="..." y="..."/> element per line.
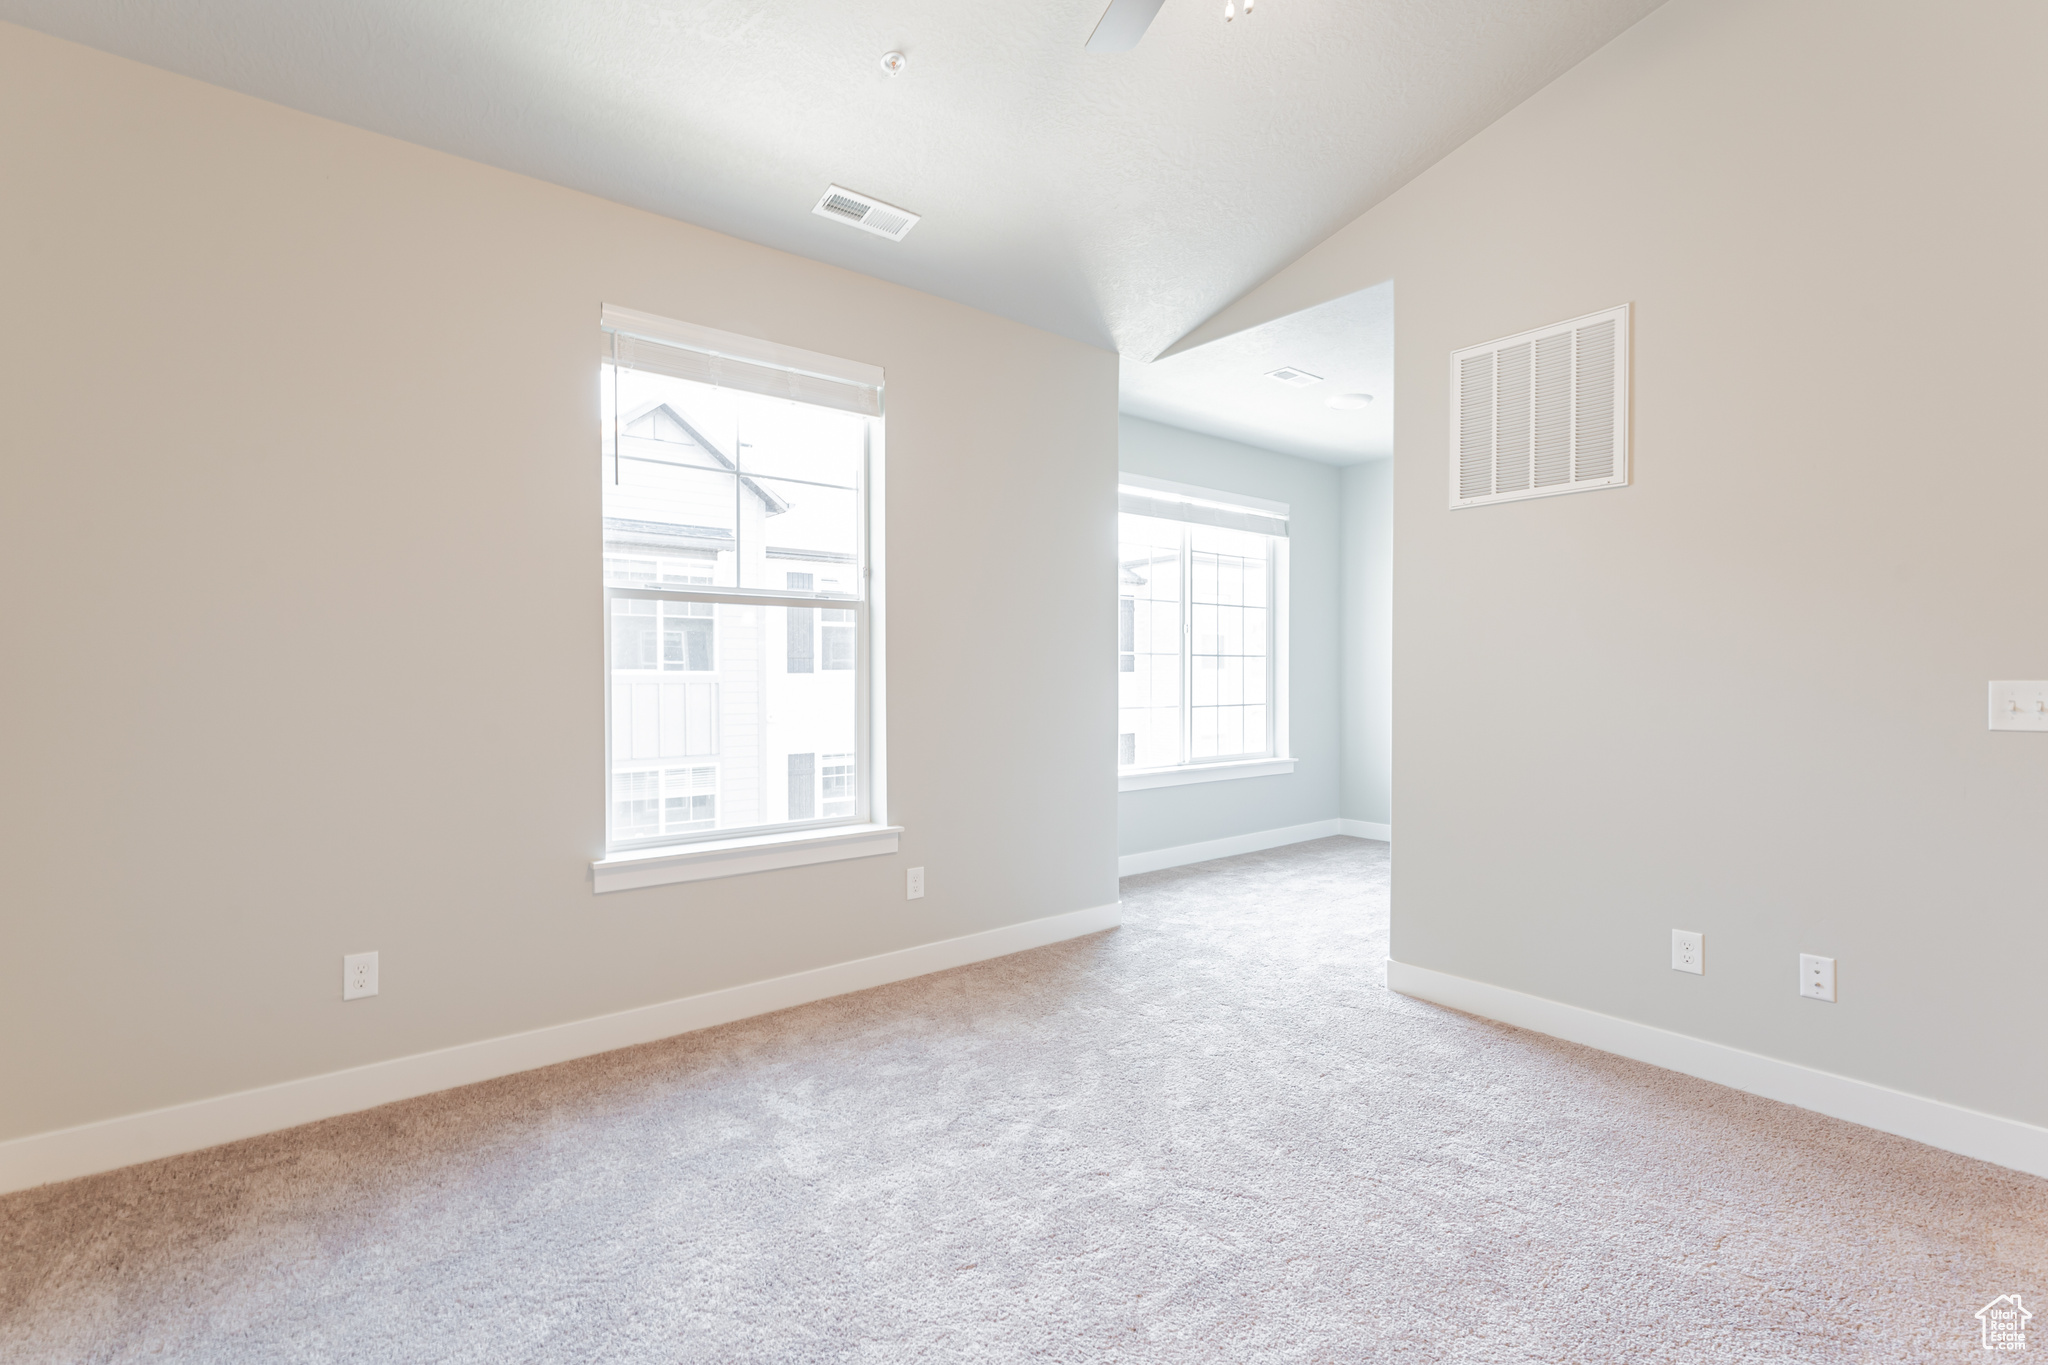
<point x="1209" y="1136"/>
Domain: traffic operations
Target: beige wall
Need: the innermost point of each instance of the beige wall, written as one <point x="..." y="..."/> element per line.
<point x="1745" y="695"/>
<point x="298" y="577"/>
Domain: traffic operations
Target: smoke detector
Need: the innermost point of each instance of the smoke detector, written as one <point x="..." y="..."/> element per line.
<point x="869" y="215"/>
<point x="1293" y="378"/>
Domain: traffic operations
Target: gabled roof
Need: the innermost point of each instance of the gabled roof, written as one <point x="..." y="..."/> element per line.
<point x="776" y="506"/>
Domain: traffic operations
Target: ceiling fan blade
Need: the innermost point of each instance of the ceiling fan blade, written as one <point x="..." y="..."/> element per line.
<point x="1122" y="24"/>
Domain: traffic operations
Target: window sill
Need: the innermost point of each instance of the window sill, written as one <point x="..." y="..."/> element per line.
<point x="1147" y="778"/>
<point x="734" y="857"/>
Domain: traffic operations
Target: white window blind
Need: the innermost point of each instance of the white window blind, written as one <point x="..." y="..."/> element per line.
<point x="1542" y="412"/>
<point x="638" y="341"/>
<point x="1174" y="502"/>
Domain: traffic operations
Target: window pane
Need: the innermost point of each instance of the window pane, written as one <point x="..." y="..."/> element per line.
<point x="689" y="799"/>
<point x="1228" y="642"/>
<point x="1229" y="681"/>
<point x="805" y="522"/>
<point x="799" y="633"/>
<point x="636" y="634"/>
<point x="708" y="722"/>
<point x="636" y="804"/>
<point x="687" y="480"/>
<point x="835" y="786"/>
<point x="787" y="440"/>
<point x="1230" y="630"/>
<point x="1229" y="580"/>
<point x="802" y="785"/>
<point x="1149" y="642"/>
<point x="663" y="521"/>
<point x="1229" y="729"/>
<point x="630" y="569"/>
<point x="835" y="642"/>
<point x="1134" y="684"/>
<point x="686" y="636"/>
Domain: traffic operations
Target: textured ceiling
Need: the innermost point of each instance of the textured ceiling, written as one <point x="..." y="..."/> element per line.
<point x="1224" y="387"/>
<point x="1120" y="200"/>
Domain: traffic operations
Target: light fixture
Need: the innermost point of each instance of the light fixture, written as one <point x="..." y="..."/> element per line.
<point x="1348" y="401"/>
<point x="1230" y="9"/>
<point x="894" y="62"/>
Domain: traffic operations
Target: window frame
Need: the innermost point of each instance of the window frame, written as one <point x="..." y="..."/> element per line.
<point x="696" y="855"/>
<point x="1277" y="758"/>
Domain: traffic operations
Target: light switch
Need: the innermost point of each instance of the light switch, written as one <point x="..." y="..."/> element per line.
<point x="2019" y="706"/>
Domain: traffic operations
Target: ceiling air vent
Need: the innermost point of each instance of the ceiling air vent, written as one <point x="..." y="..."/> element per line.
<point x="1299" y="379"/>
<point x="1541" y="413"/>
<point x="869" y="215"/>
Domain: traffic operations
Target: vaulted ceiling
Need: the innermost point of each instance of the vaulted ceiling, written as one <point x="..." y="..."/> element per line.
<point x="1120" y="200"/>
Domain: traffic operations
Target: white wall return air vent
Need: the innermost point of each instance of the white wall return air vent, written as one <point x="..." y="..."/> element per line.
<point x="1541" y="413"/>
<point x="869" y="215"/>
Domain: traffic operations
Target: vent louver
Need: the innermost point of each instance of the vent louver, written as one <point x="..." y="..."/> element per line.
<point x="869" y="215"/>
<point x="1541" y="413"/>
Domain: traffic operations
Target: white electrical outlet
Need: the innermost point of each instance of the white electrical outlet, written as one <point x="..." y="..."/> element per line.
<point x="913" y="884"/>
<point x="358" y="976"/>
<point x="1688" y="952"/>
<point x="1816" y="977"/>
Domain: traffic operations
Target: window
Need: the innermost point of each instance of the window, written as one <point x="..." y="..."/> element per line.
<point x="835" y="785"/>
<point x="1201" y="593"/>
<point x="650" y="802"/>
<point x="803" y="790"/>
<point x="836" y="628"/>
<point x="735" y="559"/>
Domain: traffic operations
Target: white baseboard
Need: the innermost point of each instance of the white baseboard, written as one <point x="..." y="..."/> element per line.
<point x="66" y="1153"/>
<point x="1967" y="1132"/>
<point x="1131" y="864"/>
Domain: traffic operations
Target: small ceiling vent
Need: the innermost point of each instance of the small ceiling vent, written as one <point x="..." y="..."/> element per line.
<point x="869" y="215"/>
<point x="1294" y="378"/>
<point x="1541" y="413"/>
